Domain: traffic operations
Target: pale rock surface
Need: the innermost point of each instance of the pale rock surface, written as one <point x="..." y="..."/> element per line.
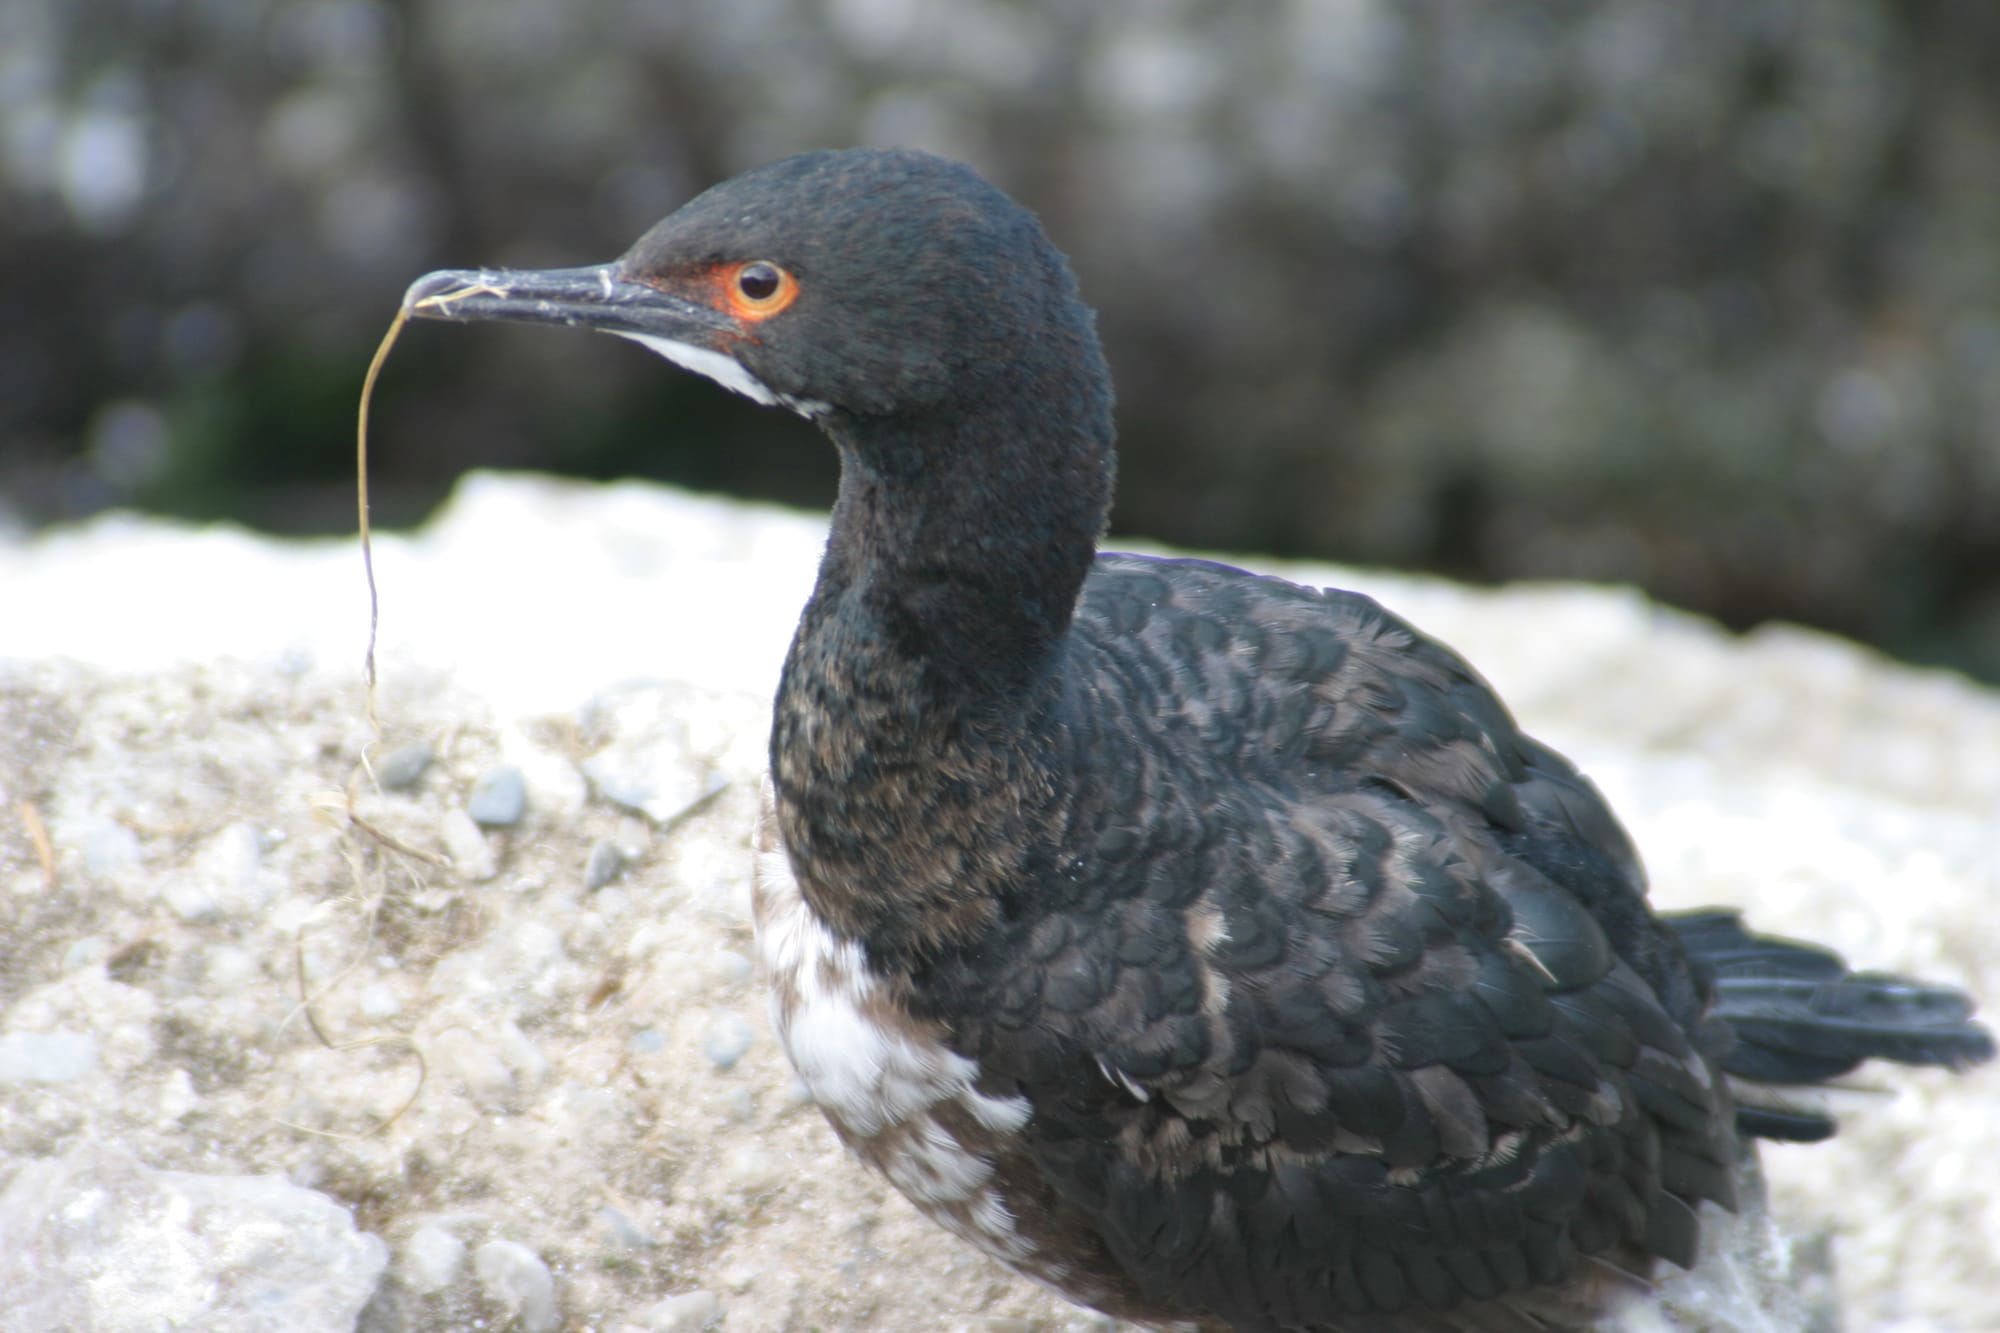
<point x="95" y="1240"/>
<point x="243" y="960"/>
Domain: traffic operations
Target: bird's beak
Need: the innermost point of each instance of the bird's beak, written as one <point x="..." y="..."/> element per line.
<point x="687" y="333"/>
<point x="593" y="297"/>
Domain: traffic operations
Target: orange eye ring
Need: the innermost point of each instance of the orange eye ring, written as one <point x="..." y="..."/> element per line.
<point x="758" y="289"/>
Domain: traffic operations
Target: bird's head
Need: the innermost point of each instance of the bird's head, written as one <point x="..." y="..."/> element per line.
<point x="858" y="284"/>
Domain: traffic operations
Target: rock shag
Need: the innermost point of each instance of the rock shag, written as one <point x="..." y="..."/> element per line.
<point x="1208" y="947"/>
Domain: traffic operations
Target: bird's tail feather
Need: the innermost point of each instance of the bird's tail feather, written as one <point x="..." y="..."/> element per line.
<point x="1798" y="1018"/>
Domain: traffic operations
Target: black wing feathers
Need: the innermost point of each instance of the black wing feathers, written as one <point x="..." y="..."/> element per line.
<point x="1352" y="1004"/>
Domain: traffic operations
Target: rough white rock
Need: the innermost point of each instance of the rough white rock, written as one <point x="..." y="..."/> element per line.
<point x="515" y="1279"/>
<point x="561" y="1031"/>
<point x="229" y="879"/>
<point x="94" y="1239"/>
<point x="654" y="762"/>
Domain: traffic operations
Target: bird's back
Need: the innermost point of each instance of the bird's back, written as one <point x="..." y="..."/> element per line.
<point x="1343" y="999"/>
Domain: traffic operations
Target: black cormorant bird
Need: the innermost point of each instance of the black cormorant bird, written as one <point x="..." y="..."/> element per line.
<point x="1208" y="947"/>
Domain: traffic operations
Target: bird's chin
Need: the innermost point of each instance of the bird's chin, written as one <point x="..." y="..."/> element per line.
<point x="723" y="369"/>
<point x="727" y="371"/>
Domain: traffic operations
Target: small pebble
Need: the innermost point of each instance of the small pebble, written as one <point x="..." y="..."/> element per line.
<point x="177" y="1096"/>
<point x="87" y="952"/>
<point x="191" y="901"/>
<point x="647" y="1041"/>
<point x="228" y="968"/>
<point x="466" y="845"/>
<point x="633" y="836"/>
<point x="430" y="1260"/>
<point x="624" y="1230"/>
<point x="108" y="847"/>
<point x="739" y="1105"/>
<point x="46" y="1057"/>
<point x="236" y="856"/>
<point x="750" y="1170"/>
<point x="605" y="863"/>
<point x="522" y="1055"/>
<point x="689" y="1312"/>
<point x="378" y="1000"/>
<point x="732" y="968"/>
<point x="402" y="767"/>
<point x="499" y="798"/>
<point x="726" y="1040"/>
<point x="134" y="960"/>
<point x="515" y="1278"/>
<point x="460" y="1054"/>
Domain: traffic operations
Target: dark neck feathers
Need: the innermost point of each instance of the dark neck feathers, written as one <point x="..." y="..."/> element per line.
<point x="912" y="747"/>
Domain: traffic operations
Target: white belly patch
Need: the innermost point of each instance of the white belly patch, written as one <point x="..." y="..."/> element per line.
<point x="879" y="1077"/>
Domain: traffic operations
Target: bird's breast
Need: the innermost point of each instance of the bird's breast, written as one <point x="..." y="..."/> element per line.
<point x="895" y="1093"/>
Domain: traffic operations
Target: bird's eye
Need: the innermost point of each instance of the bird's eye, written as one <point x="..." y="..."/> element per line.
<point x="760" y="289"/>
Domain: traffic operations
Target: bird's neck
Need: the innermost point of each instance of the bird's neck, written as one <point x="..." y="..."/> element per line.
<point x="912" y="747"/>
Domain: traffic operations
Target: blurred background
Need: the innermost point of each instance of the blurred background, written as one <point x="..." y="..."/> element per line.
<point x="1699" y="296"/>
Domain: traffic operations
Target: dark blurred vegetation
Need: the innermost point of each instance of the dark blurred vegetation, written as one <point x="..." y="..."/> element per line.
<point x="1702" y="296"/>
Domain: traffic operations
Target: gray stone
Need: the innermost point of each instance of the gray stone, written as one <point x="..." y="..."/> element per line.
<point x="403" y="767"/>
<point x="646" y="1041"/>
<point x="499" y="798"/>
<point x="606" y="863"/>
<point x="726" y="1041"/>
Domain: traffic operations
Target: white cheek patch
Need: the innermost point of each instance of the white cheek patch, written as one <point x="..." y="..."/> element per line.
<point x="726" y="372"/>
<point x="723" y="370"/>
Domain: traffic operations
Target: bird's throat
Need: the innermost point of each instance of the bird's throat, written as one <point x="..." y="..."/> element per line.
<point x="912" y="742"/>
<point x="968" y="547"/>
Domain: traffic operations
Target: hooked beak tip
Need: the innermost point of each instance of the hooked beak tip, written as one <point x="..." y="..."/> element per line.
<point x="440" y="295"/>
<point x="428" y="295"/>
